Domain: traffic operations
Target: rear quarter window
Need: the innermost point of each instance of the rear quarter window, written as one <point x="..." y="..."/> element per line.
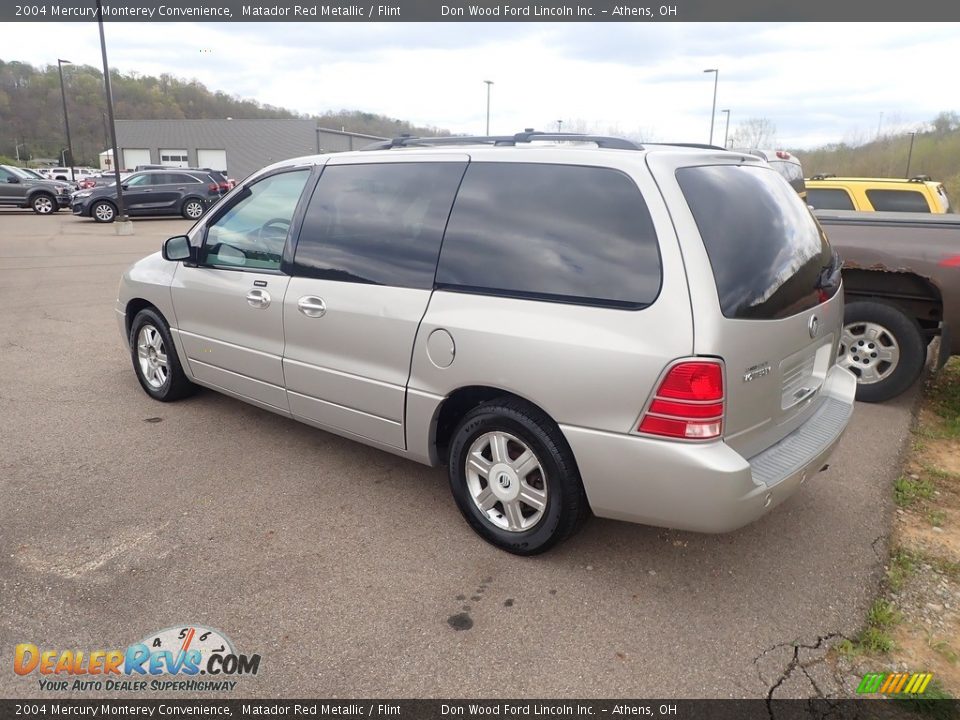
<point x="898" y="201"/>
<point x="551" y="232"/>
<point x="769" y="257"/>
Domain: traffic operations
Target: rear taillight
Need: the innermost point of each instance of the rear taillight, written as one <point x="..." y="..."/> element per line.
<point x="213" y="187"/>
<point x="689" y="403"/>
<point x="224" y="186"/>
<point x="783" y="154"/>
<point x="951" y="261"/>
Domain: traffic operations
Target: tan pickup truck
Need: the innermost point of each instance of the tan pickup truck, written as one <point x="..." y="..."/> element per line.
<point x="901" y="277"/>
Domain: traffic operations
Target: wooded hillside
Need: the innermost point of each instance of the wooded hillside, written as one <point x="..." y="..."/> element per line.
<point x="31" y="110"/>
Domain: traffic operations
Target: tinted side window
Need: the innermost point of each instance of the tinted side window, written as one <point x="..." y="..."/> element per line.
<point x="379" y="224"/>
<point x="824" y="199"/>
<point x="180" y="179"/>
<point x="898" y="201"/>
<point x="552" y="232"/>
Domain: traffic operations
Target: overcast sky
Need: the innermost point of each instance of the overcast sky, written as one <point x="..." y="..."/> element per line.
<point x="818" y="83"/>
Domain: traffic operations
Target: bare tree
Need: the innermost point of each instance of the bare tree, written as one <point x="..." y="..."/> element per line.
<point x="755" y="133"/>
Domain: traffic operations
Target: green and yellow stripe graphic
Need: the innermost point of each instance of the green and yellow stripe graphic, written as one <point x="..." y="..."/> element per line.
<point x="894" y="683"/>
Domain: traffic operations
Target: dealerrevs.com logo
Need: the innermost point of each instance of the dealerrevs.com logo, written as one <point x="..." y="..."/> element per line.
<point x="188" y="658"/>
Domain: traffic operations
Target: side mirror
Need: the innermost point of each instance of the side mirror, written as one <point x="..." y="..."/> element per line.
<point x="178" y="248"/>
<point x="123" y="185"/>
<point x="13" y="180"/>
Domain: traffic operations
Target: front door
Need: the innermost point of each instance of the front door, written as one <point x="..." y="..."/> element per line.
<point x="230" y="307"/>
<point x="362" y="278"/>
<point x="138" y="192"/>
<point x="12" y="188"/>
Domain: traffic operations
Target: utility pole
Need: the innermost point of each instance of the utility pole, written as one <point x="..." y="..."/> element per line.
<point x="913" y="136"/>
<point x="121" y="211"/>
<point x="713" y="111"/>
<point x="66" y="120"/>
<point x="489" y="83"/>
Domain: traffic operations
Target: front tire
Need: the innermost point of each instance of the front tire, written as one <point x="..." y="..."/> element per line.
<point x="514" y="478"/>
<point x="883" y="347"/>
<point x="155" y="360"/>
<point x="103" y="212"/>
<point x="192" y="209"/>
<point x="44" y="204"/>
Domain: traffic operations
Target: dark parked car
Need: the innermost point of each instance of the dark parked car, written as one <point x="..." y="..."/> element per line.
<point x="152" y="192"/>
<point x="21" y="189"/>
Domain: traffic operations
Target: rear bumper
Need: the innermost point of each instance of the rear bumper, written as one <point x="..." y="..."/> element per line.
<point x="707" y="487"/>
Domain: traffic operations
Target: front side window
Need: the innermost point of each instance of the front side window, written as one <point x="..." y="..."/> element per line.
<point x="251" y="234"/>
<point x="379" y="224"/>
<point x="559" y="233"/>
<point x="139" y="181"/>
<point x="829" y="199"/>
<point x="898" y="201"/>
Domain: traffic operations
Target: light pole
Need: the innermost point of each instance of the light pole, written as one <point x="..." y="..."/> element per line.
<point x="16" y="148"/>
<point x="913" y="135"/>
<point x="713" y="112"/>
<point x="121" y="212"/>
<point x="559" y="125"/>
<point x="489" y="83"/>
<point x="726" y="130"/>
<point x="66" y="120"/>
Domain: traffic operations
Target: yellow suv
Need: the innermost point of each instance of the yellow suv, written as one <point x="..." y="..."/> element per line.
<point x="918" y="194"/>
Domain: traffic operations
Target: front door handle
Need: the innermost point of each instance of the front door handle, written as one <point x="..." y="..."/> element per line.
<point x="258" y="298"/>
<point x="312" y="306"/>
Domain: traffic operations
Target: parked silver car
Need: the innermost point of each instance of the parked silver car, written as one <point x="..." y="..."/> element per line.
<point x="570" y="323"/>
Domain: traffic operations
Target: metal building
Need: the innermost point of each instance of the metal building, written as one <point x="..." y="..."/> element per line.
<point x="239" y="147"/>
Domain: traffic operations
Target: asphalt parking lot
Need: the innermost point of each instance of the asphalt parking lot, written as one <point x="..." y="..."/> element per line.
<point x="345" y="567"/>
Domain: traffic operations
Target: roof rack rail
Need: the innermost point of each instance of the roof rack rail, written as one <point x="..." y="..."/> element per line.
<point x="702" y="146"/>
<point x="920" y="178"/>
<point x="823" y="176"/>
<point x="527" y="136"/>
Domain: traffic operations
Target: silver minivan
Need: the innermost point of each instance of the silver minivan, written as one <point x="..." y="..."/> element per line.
<point x="570" y="323"/>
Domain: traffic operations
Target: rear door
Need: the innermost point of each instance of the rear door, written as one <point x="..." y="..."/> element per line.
<point x="229" y="309"/>
<point x="362" y="276"/>
<point x="763" y="282"/>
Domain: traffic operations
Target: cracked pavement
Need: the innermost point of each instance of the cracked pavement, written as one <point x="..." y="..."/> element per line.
<point x="349" y="569"/>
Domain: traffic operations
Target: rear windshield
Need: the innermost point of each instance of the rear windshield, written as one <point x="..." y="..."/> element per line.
<point x="792" y="172"/>
<point x="770" y="259"/>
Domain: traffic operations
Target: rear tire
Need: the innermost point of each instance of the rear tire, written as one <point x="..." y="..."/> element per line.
<point x="514" y="478"/>
<point x="883" y="347"/>
<point x="155" y="360"/>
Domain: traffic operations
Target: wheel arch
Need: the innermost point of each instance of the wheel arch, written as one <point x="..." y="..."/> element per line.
<point x="134" y="306"/>
<point x="457" y="404"/>
<point x="109" y="201"/>
<point x="915" y="294"/>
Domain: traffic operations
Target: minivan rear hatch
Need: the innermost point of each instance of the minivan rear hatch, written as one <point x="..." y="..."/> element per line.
<point x="771" y="309"/>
